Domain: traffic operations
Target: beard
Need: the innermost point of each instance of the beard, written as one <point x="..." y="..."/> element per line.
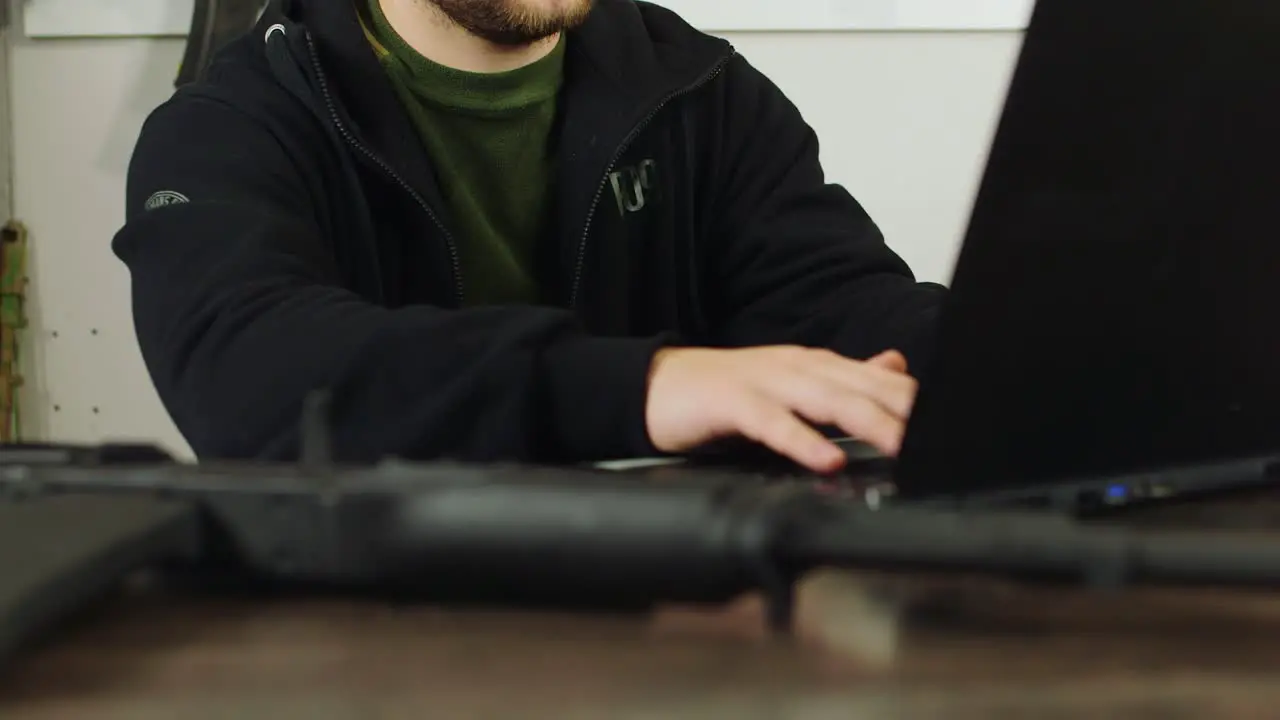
<point x="513" y="23"/>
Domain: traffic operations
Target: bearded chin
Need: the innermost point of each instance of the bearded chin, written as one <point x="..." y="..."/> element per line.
<point x="511" y="23"/>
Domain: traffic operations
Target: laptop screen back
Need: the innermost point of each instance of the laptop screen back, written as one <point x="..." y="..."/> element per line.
<point x="1116" y="305"/>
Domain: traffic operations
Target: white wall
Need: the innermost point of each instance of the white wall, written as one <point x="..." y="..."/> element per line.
<point x="905" y="121"/>
<point x="6" y="134"/>
<point x="77" y="107"/>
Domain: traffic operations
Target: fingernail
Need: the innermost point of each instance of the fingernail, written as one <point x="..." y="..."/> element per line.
<point x="832" y="457"/>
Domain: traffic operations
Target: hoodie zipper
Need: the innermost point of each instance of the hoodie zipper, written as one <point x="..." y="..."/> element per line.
<point x="617" y="156"/>
<point x="452" y="246"/>
<point x="450" y="243"/>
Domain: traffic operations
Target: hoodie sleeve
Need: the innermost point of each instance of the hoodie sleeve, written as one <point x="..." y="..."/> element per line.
<point x="240" y="313"/>
<point x="797" y="259"/>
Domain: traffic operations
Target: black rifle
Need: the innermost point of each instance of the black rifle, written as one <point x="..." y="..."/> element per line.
<point x="75" y="520"/>
<point x="214" y="23"/>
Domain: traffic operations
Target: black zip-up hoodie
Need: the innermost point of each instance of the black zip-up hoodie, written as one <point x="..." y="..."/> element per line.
<point x="285" y="232"/>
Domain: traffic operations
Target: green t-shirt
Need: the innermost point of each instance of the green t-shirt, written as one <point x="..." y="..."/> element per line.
<point x="489" y="136"/>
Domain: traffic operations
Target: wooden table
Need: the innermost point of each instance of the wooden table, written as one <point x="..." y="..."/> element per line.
<point x="866" y="647"/>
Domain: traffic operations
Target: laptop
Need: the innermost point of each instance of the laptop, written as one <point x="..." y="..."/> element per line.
<point x="1113" y="331"/>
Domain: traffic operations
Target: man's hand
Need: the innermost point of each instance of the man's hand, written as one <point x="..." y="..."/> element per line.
<point x="768" y="394"/>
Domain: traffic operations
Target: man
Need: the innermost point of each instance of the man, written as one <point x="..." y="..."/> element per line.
<point x="541" y="230"/>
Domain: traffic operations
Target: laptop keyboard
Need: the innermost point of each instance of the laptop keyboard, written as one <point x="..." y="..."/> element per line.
<point x="866" y="475"/>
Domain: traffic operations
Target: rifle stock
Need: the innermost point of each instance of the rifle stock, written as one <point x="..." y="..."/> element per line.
<point x="59" y="555"/>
